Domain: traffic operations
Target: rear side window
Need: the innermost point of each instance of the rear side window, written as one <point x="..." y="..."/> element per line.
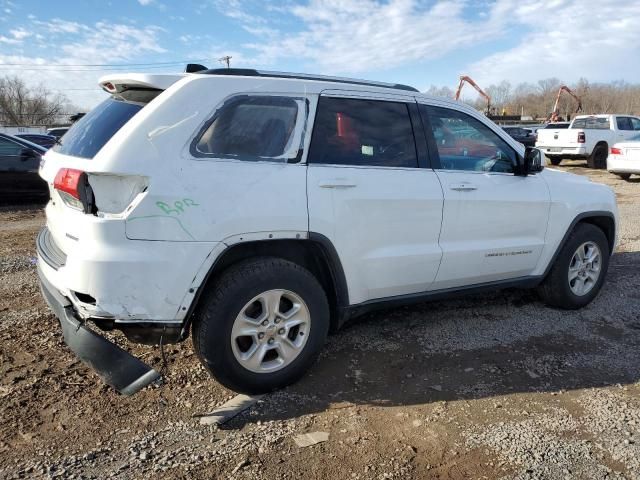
<point x="89" y="134"/>
<point x="363" y="132"/>
<point x="254" y="128"/>
<point x="593" y="123"/>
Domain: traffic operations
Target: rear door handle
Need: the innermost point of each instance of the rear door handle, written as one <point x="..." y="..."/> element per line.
<point x="336" y="183"/>
<point x="462" y="187"/>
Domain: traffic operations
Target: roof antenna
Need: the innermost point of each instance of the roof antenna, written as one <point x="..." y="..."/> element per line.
<point x="226" y="59"/>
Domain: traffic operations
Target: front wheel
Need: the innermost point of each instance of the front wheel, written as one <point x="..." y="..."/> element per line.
<point x="262" y="326"/>
<point x="579" y="270"/>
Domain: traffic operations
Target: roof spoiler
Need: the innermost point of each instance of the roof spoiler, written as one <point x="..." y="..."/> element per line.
<point x="194" y="67"/>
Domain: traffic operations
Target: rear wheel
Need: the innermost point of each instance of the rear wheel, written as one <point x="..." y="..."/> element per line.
<point x="555" y="160"/>
<point x="579" y="270"/>
<point x="598" y="158"/>
<point x="262" y="326"/>
<point x="624" y="176"/>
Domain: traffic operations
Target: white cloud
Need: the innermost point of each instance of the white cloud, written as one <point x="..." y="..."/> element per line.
<point x="598" y="39"/>
<point x="20" y="33"/>
<point x="568" y="40"/>
<point x="79" y="44"/>
<point x="351" y="36"/>
<point x="145" y="2"/>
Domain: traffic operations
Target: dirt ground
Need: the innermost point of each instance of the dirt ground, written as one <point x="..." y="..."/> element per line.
<point x="490" y="386"/>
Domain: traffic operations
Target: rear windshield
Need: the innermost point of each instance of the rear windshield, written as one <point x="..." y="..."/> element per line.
<point x="594" y="123"/>
<point x="558" y="126"/>
<point x="89" y="134"/>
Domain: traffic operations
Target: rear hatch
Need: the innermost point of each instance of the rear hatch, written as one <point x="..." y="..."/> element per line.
<point x="76" y="174"/>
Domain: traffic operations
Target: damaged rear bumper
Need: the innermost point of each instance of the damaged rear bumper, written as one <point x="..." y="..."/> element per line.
<point x="115" y="366"/>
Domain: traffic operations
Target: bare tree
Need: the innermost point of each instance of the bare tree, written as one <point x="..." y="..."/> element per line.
<point x="22" y="105"/>
<point x="537" y="100"/>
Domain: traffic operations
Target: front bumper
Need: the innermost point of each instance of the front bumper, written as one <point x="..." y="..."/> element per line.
<point x="115" y="366"/>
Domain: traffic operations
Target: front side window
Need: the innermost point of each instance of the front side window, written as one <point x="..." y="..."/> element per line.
<point x="9" y="148"/>
<point x="254" y="128"/>
<point x="465" y="143"/>
<point x="363" y="133"/>
<point x="624" y="123"/>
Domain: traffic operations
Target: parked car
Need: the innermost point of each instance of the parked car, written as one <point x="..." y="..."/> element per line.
<point x="522" y="135"/>
<point x="46" y="141"/>
<point x="19" y="178"/>
<point x="589" y="137"/>
<point x="258" y="211"/>
<point x="624" y="158"/>
<point x="57" y="132"/>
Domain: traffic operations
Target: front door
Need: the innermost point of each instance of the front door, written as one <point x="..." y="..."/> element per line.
<point x="369" y="194"/>
<point x="494" y="222"/>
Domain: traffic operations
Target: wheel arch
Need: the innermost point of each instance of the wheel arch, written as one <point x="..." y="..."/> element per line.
<point x="604" y="220"/>
<point x="316" y="253"/>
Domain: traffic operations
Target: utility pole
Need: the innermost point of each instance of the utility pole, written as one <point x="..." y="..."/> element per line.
<point x="226" y="59"/>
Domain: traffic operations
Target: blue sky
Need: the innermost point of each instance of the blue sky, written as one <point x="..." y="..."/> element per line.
<point x="418" y="42"/>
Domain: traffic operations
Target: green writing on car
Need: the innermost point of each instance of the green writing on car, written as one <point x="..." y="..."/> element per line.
<point x="178" y="206"/>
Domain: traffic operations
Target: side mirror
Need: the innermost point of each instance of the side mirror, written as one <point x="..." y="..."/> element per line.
<point x="533" y="161"/>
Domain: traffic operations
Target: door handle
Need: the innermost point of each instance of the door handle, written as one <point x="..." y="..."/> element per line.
<point x="336" y="183"/>
<point x="463" y="187"/>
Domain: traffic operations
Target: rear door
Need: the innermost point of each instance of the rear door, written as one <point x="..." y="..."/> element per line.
<point x="494" y="222"/>
<point x="626" y="129"/>
<point x="371" y="193"/>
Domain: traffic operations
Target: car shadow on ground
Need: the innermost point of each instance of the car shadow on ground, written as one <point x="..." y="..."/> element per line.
<point x="480" y="346"/>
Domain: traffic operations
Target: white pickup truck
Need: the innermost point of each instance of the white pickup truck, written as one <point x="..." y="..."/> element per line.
<point x="589" y="137"/>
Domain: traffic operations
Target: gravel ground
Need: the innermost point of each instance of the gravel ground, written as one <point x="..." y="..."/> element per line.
<point x="491" y="386"/>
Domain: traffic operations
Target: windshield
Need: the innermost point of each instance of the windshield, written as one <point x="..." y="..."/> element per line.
<point x="89" y="134"/>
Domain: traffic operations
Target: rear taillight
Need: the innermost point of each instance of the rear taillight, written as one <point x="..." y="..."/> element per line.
<point x="74" y="189"/>
<point x="581" y="137"/>
<point x="616" y="151"/>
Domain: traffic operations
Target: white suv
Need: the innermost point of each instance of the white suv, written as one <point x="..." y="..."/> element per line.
<point x="261" y="210"/>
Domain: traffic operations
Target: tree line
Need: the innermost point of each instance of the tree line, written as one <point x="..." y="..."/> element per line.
<point x="537" y="99"/>
<point x="22" y="105"/>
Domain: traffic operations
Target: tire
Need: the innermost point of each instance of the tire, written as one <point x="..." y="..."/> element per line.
<point x="624" y="176"/>
<point x="556" y="290"/>
<point x="554" y="160"/>
<point x="598" y="158"/>
<point x="246" y="288"/>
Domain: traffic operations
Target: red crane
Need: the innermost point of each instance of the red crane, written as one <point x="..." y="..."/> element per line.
<point x="563" y="88"/>
<point x="469" y="80"/>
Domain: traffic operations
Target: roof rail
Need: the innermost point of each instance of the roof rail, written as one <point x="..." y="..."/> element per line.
<point x="250" y="72"/>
